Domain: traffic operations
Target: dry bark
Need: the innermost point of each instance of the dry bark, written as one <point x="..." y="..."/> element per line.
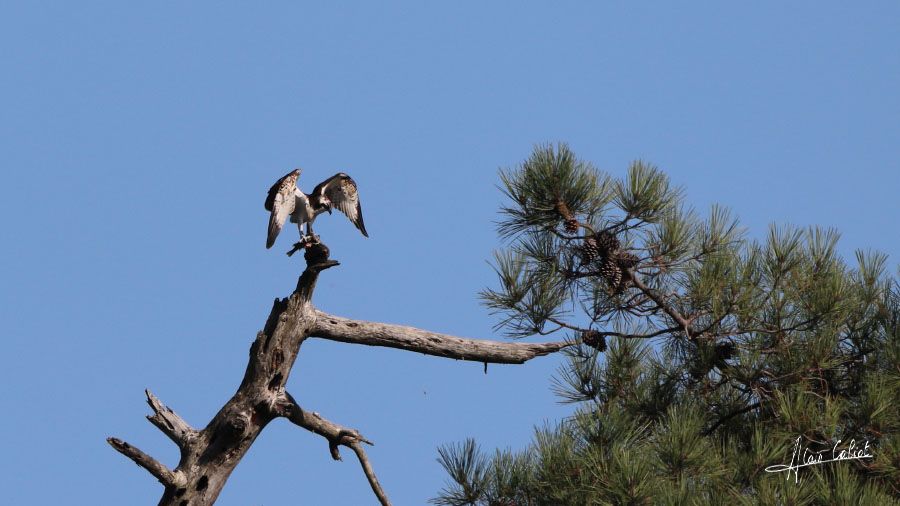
<point x="337" y="328"/>
<point x="209" y="455"/>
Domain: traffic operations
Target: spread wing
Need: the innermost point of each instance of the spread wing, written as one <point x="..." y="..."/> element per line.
<point x="280" y="203"/>
<point x="341" y="190"/>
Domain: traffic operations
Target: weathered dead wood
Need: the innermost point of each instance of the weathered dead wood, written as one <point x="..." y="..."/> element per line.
<point x="162" y="473"/>
<point x="208" y="456"/>
<point x="345" y="330"/>
<point x="336" y="436"/>
<point x="170" y="423"/>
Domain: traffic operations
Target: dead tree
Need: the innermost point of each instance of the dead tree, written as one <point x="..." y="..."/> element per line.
<point x="209" y="455"/>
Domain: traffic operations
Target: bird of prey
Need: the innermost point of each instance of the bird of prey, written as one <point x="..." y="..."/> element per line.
<point x="286" y="199"/>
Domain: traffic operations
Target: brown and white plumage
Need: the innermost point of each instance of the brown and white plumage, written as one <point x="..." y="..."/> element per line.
<point x="340" y="191"/>
<point x="285" y="199"/>
<point x="280" y="202"/>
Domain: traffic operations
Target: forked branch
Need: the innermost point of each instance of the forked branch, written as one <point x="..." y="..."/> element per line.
<point x="336" y="436"/>
<point x="169" y="422"/>
<point x="208" y="456"/>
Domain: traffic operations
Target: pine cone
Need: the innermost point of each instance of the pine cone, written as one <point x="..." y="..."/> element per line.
<point x="623" y="261"/>
<point x="589" y="250"/>
<point x="724" y="351"/>
<point x="594" y="339"/>
<point x="696" y="373"/>
<point x="570" y="223"/>
<point x="626" y="260"/>
<point x="607" y="242"/>
<point x="611" y="272"/>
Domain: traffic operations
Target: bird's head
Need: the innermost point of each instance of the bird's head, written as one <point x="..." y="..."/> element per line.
<point x="327" y="203"/>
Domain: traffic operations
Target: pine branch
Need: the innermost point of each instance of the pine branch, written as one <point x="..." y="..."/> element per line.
<point x="729" y="416"/>
<point x="663" y="305"/>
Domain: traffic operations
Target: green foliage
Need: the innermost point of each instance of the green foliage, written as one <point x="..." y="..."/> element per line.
<point x="468" y="468"/>
<point x="698" y="356"/>
<point x="645" y="194"/>
<point x="551" y="175"/>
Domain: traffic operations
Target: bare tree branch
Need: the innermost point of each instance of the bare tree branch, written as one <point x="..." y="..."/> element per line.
<point x="370" y="473"/>
<point x="336" y="435"/>
<point x="209" y="456"/>
<point x="162" y="473"/>
<point x="345" y="330"/>
<point x="169" y="423"/>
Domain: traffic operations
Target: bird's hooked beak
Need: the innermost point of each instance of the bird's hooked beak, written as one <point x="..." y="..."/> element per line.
<point x="328" y="207"/>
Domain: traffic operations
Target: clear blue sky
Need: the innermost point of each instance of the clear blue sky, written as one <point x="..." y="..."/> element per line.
<point x="138" y="142"/>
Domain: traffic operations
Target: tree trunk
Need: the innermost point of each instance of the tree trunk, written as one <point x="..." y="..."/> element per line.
<point x="208" y="456"/>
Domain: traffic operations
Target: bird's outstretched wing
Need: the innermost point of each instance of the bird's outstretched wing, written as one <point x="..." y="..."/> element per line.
<point x="280" y="203"/>
<point x="340" y="189"/>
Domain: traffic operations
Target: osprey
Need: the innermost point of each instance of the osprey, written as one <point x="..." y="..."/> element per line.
<point x="286" y="199"/>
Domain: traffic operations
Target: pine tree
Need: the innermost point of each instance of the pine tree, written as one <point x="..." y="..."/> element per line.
<point x="698" y="356"/>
